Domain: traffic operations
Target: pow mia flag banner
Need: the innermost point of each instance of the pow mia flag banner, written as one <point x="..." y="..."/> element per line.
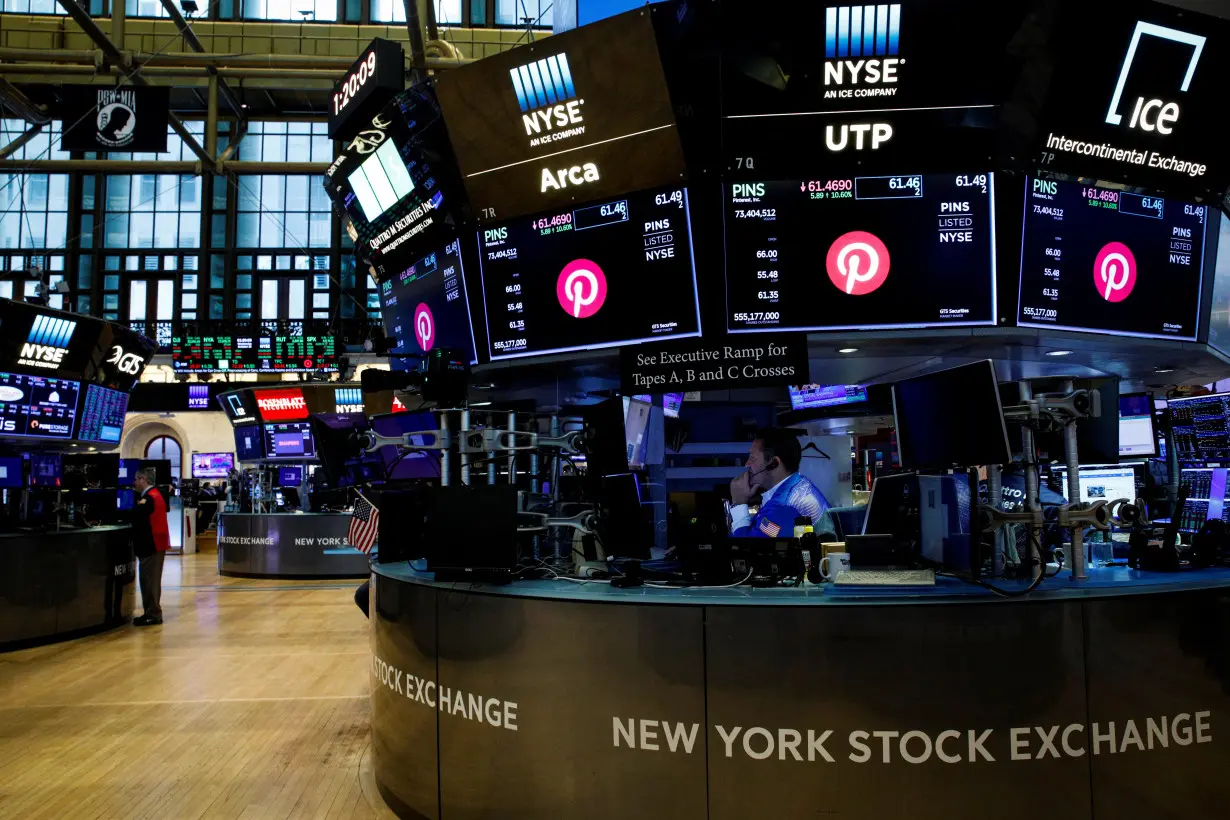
<point x="115" y="119"/>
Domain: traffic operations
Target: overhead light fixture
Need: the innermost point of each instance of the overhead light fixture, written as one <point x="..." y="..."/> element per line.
<point x="847" y="350"/>
<point x="189" y="6"/>
<point x="1164" y="370"/>
<point x="1059" y="352"/>
<point x="480" y="404"/>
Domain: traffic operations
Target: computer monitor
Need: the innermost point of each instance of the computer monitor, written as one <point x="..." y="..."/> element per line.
<point x="636" y="425"/>
<point x="671" y="404"/>
<point x="605" y="443"/>
<point x="124" y="500"/>
<point x="212" y="465"/>
<point x="10" y="471"/>
<point x="1099" y="482"/>
<point x="951" y="418"/>
<point x="128" y="471"/>
<point x="622" y="526"/>
<point x="290" y="476"/>
<point x="811" y="396"/>
<point x="289" y="440"/>
<point x="46" y="470"/>
<point x="948" y="522"/>
<point x="1137" y="438"/>
<point x="249" y="444"/>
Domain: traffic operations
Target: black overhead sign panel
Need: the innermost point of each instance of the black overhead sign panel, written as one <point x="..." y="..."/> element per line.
<point x="378" y="74"/>
<point x="1138" y="95"/>
<point x="577" y="117"/>
<point x="714" y="364"/>
<point x="115" y="119"/>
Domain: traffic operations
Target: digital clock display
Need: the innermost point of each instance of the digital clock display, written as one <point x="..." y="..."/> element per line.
<point x="1110" y="261"/>
<point x="371" y="82"/>
<point x="607" y="274"/>
<point x="889" y="251"/>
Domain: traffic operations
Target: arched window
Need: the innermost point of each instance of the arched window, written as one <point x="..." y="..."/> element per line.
<point x="168" y="448"/>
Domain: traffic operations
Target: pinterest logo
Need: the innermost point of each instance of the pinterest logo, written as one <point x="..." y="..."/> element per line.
<point x="581" y="288"/>
<point x="857" y="263"/>
<point x="1114" y="272"/>
<point x="424" y="326"/>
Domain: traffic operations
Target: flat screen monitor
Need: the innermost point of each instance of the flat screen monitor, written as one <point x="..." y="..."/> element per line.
<point x="128" y="471"/>
<point x="289" y="440"/>
<point x="904" y="251"/>
<point x="1109" y="261"/>
<point x="613" y="273"/>
<point x="636" y="425"/>
<point x="1206" y="489"/>
<point x="671" y="404"/>
<point x="227" y="352"/>
<point x="811" y="396"/>
<point x="1201" y="427"/>
<point x="1101" y="482"/>
<point x="290" y="476"/>
<point x="212" y="465"/>
<point x="124" y="500"/>
<point x="38" y="406"/>
<point x="1137" y="438"/>
<point x="399" y="464"/>
<point x="249" y="443"/>
<point x="11" y="472"/>
<point x="46" y="470"/>
<point x="102" y="415"/>
<point x="585" y="115"/>
<point x="239" y="406"/>
<point x="951" y="418"/>
<point x="425" y="306"/>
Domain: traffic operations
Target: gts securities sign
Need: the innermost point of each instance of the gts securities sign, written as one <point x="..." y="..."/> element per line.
<point x="581" y="116"/>
<point x="1141" y="101"/>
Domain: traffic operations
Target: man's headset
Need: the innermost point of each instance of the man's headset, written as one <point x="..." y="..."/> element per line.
<point x="773" y="463"/>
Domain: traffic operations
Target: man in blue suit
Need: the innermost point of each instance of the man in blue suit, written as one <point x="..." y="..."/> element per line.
<point x="773" y="471"/>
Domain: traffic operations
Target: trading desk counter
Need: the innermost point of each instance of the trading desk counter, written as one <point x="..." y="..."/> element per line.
<point x="1107" y="699"/>
<point x="63" y="584"/>
<point x="288" y="545"/>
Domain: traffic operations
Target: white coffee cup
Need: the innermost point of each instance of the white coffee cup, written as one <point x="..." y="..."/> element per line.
<point x="834" y="563"/>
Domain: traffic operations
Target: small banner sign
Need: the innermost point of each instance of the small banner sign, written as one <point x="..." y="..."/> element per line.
<point x="752" y="360"/>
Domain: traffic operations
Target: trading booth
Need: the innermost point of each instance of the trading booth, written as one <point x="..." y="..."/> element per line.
<point x="64" y="500"/>
<point x="279" y="519"/>
<point x="996" y="250"/>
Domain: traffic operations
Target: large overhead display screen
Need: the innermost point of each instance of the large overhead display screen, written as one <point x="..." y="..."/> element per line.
<point x="917" y="82"/>
<point x="396" y="181"/>
<point x="907" y="250"/>
<point x="1138" y="94"/>
<point x="611" y="273"/>
<point x="580" y="116"/>
<point x="1110" y="261"/>
<point x="37" y="406"/>
<point x="425" y="306"/>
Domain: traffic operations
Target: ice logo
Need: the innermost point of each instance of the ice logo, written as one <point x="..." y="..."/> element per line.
<point x="1114" y="272"/>
<point x="581" y="288"/>
<point x="858" y="263"/>
<point x="424" y="326"/>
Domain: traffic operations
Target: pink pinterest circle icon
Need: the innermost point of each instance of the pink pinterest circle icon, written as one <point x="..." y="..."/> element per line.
<point x="581" y="288"/>
<point x="857" y="263"/>
<point x="424" y="327"/>
<point x="1114" y="272"/>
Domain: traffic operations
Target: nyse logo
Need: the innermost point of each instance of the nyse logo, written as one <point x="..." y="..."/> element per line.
<point x="871" y="34"/>
<point x="129" y="363"/>
<point x="548" y="100"/>
<point x="576" y="175"/>
<point x="1153" y="114"/>
<point x="47" y="343"/>
<point x="879" y="133"/>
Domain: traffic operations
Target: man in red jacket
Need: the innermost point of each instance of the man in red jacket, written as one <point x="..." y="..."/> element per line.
<point x="150" y="541"/>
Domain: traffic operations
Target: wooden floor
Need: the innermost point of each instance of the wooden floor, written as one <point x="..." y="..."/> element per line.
<point x="251" y="701"/>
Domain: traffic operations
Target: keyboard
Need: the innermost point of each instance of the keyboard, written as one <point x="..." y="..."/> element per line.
<point x="886" y="577"/>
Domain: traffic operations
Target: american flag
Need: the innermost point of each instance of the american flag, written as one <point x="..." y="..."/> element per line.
<point x="364" y="525"/>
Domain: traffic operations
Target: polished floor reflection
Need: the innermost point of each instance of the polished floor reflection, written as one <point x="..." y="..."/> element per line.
<point x="251" y="701"/>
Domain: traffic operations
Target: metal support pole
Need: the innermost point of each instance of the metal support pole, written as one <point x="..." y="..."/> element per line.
<point x="1030" y="451"/>
<point x="185" y="30"/>
<point x="490" y="458"/>
<point x="24" y="107"/>
<point x="512" y="456"/>
<point x="465" y="457"/>
<point x="418" y="54"/>
<point x="119" y="16"/>
<point x="995" y="493"/>
<point x="1072" y="459"/>
<point x="211" y="117"/>
<point x="445" y="461"/>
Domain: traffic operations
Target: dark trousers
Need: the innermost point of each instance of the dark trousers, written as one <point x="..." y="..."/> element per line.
<point x="150" y="574"/>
